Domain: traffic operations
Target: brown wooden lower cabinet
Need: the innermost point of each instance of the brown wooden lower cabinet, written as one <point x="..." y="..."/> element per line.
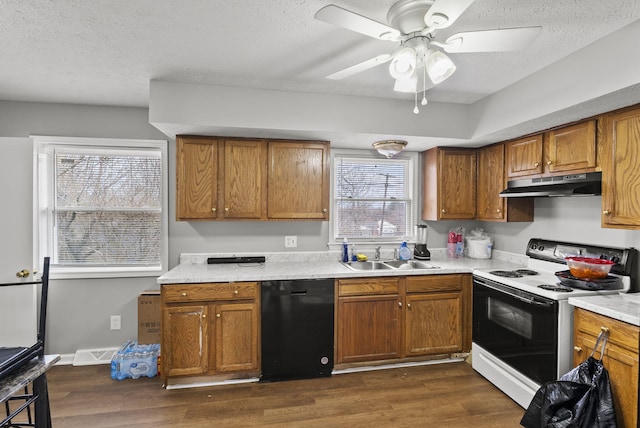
<point x="210" y="329"/>
<point x="390" y="318"/>
<point x="620" y="359"/>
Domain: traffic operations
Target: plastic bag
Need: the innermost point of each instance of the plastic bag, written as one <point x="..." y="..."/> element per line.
<point x="580" y="398"/>
<point x="479" y="244"/>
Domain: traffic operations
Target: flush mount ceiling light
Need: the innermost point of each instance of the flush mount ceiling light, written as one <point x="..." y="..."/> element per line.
<point x="389" y="148"/>
<point x="414" y="24"/>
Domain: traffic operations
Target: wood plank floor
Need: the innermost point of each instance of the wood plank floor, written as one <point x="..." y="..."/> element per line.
<point x="444" y="395"/>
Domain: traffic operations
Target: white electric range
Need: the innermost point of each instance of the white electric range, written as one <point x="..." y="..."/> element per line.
<point x="522" y="322"/>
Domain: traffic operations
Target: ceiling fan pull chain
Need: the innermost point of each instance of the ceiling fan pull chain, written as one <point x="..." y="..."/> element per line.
<point x="415" y="108"/>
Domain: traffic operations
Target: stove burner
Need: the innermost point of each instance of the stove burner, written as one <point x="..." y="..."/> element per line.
<point x="558" y="288"/>
<point x="526" y="272"/>
<point x="506" y="273"/>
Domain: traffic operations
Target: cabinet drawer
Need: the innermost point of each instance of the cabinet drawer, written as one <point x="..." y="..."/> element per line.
<point x="620" y="333"/>
<point x="433" y="283"/>
<point x="366" y="286"/>
<point x="209" y="291"/>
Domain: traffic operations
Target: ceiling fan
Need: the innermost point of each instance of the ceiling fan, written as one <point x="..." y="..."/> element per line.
<point x="414" y="24"/>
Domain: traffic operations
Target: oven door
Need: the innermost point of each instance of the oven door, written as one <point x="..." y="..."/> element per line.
<point x="517" y="327"/>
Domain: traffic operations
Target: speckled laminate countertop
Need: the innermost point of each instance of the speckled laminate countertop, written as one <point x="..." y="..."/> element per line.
<point x="193" y="268"/>
<point x="614" y="306"/>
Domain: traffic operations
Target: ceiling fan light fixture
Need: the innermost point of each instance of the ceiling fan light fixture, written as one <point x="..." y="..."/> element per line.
<point x="389" y="148"/>
<point x="439" y="66"/>
<point x="403" y="65"/>
<point x="406" y="85"/>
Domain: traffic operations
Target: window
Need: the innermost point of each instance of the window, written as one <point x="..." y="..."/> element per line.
<point x="101" y="207"/>
<point x="373" y="198"/>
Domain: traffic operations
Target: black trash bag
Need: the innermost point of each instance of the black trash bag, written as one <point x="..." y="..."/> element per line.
<point x="580" y="398"/>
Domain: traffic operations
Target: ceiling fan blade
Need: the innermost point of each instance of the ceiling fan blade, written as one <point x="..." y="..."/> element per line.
<point x="360" y="24"/>
<point x="443" y="13"/>
<point x="508" y="39"/>
<point x="365" y="65"/>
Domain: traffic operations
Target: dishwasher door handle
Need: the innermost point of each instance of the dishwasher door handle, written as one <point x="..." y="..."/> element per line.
<point x="298" y="292"/>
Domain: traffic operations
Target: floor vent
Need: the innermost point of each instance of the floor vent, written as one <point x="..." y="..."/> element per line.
<point x="88" y="357"/>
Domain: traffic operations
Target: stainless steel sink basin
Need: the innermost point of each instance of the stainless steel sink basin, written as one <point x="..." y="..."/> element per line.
<point x="410" y="264"/>
<point x="389" y="264"/>
<point x="368" y="265"/>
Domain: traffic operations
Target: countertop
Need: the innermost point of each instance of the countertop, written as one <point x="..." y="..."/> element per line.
<point x="193" y="268"/>
<point x="614" y="306"/>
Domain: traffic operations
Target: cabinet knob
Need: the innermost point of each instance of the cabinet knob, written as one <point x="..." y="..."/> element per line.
<point x="408" y="305"/>
<point x="324" y="210"/>
<point x="235" y="292"/>
<point x="443" y="211"/>
<point x="549" y="163"/>
<point x="400" y="304"/>
<point x="577" y="349"/>
<point x="606" y="212"/>
<point x="24" y="273"/>
<point x="498" y="210"/>
<point x="183" y="294"/>
<point x="537" y="164"/>
<point x="217" y="315"/>
<point x="226" y="209"/>
<point x="204" y="315"/>
<point x="604" y="329"/>
<point x="214" y="210"/>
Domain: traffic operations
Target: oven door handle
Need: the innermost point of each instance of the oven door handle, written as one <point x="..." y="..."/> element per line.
<point x="515" y="296"/>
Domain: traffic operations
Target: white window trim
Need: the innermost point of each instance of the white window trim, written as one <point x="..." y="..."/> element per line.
<point x="335" y="242"/>
<point x="40" y="224"/>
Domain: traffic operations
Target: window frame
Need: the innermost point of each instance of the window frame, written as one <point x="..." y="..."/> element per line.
<point x="42" y="189"/>
<point x="412" y="158"/>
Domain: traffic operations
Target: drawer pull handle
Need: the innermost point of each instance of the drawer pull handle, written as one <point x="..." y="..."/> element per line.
<point x="183" y="294"/>
<point x="204" y="315"/>
<point x="606" y="212"/>
<point x="214" y="210"/>
<point x="604" y="329"/>
<point x="577" y="349"/>
<point x="217" y="315"/>
<point x="235" y="292"/>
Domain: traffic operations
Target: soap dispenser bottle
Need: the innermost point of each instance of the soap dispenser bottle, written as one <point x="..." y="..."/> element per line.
<point x="404" y="253"/>
<point x="345" y="250"/>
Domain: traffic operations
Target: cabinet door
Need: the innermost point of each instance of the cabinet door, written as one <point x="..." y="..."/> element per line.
<point x="236" y="343"/>
<point x="620" y="172"/>
<point x="243" y="177"/>
<point x="185" y="340"/>
<point x="524" y="156"/>
<point x="433" y="324"/>
<point x="622" y="366"/>
<point x="457" y="184"/>
<point x="298" y="180"/>
<point x="368" y="328"/>
<point x="491" y="181"/>
<point x="571" y="148"/>
<point x="196" y="178"/>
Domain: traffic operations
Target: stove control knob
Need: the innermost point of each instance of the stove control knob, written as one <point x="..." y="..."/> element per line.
<point x="541" y="248"/>
<point x="615" y="259"/>
<point x="534" y="247"/>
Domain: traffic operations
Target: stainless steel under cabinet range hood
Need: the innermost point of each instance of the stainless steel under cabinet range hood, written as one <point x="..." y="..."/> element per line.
<point x="586" y="184"/>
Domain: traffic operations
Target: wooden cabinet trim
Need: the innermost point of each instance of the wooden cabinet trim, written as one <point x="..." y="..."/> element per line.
<point x="368" y="286"/>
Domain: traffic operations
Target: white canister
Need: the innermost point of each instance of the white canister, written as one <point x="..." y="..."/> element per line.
<point x="479" y="248"/>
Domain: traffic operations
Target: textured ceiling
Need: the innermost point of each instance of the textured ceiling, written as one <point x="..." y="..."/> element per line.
<point x="106" y="51"/>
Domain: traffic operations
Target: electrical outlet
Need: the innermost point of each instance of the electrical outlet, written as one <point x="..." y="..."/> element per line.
<point x="290" y="241"/>
<point x="116" y="322"/>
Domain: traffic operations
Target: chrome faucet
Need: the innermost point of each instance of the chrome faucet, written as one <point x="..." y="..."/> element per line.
<point x="377" y="255"/>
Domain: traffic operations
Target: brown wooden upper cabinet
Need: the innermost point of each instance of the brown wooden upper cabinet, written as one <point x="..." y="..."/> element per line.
<point x="492" y="180"/>
<point x="567" y="149"/>
<point x="251" y="179"/>
<point x="298" y="180"/>
<point x="621" y="169"/>
<point x="449" y="184"/>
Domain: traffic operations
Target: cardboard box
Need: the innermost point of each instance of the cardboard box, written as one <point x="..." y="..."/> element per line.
<point x="149" y="317"/>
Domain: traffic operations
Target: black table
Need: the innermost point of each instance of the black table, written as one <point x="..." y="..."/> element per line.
<point x="32" y="372"/>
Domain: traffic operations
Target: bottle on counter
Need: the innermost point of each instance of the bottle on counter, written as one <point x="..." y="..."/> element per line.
<point x="345" y="250"/>
<point x="451" y="243"/>
<point x="404" y="253"/>
<point x="354" y="257"/>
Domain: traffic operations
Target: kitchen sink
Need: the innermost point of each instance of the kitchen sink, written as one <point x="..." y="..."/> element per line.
<point x="369" y="265"/>
<point x="389" y="264"/>
<point x="410" y="264"/>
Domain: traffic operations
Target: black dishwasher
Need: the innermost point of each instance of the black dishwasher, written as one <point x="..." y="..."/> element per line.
<point x="297" y="329"/>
